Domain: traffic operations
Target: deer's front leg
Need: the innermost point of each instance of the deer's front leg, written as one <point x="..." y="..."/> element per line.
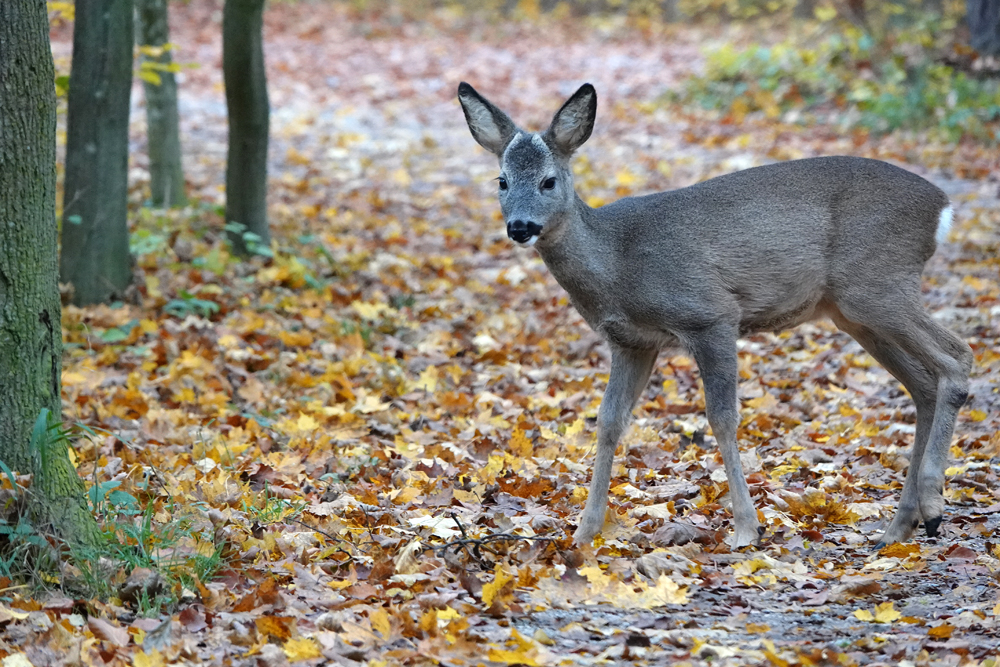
<point x="715" y="353"/>
<point x="630" y="371"/>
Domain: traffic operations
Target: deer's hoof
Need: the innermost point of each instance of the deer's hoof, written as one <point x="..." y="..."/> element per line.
<point x="932" y="525"/>
<point x="587" y="531"/>
<point x="746" y="536"/>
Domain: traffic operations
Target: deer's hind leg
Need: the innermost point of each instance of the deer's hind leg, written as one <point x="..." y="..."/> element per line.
<point x="922" y="386"/>
<point x="933" y="364"/>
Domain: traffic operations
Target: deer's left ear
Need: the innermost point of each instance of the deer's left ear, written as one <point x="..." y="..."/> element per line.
<point x="573" y="123"/>
<point x="490" y="127"/>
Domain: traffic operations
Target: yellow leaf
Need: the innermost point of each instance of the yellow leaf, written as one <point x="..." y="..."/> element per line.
<point x="493" y="467"/>
<point x="306" y="423"/>
<point x="519" y="657"/>
<point x="668" y="591"/>
<point x="71" y="377"/>
<point x="143" y="659"/>
<point x="500" y="579"/>
<point x="942" y="631"/>
<point x="369" y="311"/>
<point x="149" y="76"/>
<point x="428" y="380"/>
<point x="404" y="495"/>
<point x="863" y="615"/>
<point x="520" y="444"/>
<point x="626" y="178"/>
<point x="576" y="428"/>
<point x="447" y="614"/>
<point x="759" y="628"/>
<point x="884" y="613"/>
<point x="825" y="13"/>
<point x="977" y="415"/>
<point x="380" y="622"/>
<point x="303" y="648"/>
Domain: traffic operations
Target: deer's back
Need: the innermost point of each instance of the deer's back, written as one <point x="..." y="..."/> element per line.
<point x="772" y="241"/>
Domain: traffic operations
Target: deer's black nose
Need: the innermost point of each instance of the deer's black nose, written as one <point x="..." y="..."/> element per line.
<point x="521" y="231"/>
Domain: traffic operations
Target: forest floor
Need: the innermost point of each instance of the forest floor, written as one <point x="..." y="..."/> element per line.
<point x="372" y="448"/>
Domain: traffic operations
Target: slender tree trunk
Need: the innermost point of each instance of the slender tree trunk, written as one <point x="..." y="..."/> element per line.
<point x="95" y="253"/>
<point x="670" y="10"/>
<point x="166" y="175"/>
<point x="805" y="9"/>
<point x="30" y="326"/>
<point x="246" y="98"/>
<point x="983" y="17"/>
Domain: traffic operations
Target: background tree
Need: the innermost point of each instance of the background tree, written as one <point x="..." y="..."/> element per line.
<point x="95" y="251"/>
<point x="983" y="17"/>
<point x="166" y="176"/>
<point x="30" y="320"/>
<point x="805" y="9"/>
<point x="249" y="118"/>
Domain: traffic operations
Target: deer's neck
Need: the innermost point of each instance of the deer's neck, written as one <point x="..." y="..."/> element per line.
<point x="580" y="260"/>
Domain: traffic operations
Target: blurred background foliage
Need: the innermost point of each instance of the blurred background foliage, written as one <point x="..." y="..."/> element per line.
<point x="880" y="66"/>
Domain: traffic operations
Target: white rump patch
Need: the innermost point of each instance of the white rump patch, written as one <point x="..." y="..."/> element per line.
<point x="944" y="223"/>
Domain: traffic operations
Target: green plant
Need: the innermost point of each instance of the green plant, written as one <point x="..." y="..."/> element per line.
<point x="253" y="242"/>
<point x="883" y="77"/>
<point x="189" y="304"/>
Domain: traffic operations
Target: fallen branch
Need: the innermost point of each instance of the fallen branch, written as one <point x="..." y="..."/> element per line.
<point x="480" y="544"/>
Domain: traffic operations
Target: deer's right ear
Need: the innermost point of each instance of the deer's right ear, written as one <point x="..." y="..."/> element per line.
<point x="490" y="127"/>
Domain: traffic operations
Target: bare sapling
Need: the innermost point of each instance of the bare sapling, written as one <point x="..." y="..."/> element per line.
<point x="763" y="249"/>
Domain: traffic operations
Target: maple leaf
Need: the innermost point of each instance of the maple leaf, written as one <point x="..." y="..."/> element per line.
<point x="884" y="613"/>
<point x="301" y="648"/>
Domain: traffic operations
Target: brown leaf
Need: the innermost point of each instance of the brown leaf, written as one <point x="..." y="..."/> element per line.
<point x="677" y="534"/>
<point x="105" y="631"/>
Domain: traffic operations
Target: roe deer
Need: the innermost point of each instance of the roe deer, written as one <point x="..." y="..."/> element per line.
<point x="758" y="250"/>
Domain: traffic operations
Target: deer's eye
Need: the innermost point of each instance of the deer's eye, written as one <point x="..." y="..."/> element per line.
<point x="503" y="183"/>
<point x="548" y="183"/>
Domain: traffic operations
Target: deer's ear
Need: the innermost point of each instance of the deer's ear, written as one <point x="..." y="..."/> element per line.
<point x="573" y="123"/>
<point x="490" y="127"/>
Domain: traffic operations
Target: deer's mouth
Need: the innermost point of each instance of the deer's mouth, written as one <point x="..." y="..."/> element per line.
<point x="523" y="232"/>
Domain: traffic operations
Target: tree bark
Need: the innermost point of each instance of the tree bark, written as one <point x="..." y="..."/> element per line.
<point x="249" y="112"/>
<point x="95" y="252"/>
<point x="30" y="326"/>
<point x="983" y="17"/>
<point x="166" y="176"/>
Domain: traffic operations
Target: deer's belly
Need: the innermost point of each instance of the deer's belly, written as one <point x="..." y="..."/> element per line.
<point x="782" y="318"/>
<point x="621" y="331"/>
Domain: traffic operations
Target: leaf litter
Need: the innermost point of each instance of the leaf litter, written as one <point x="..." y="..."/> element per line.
<point x="385" y="431"/>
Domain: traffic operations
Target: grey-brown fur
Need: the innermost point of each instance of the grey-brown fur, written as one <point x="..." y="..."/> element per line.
<point x="761" y="249"/>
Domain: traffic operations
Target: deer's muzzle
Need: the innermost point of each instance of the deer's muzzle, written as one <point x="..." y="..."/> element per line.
<point x="521" y="231"/>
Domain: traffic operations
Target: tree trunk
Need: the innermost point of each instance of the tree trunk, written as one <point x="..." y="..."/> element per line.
<point x="30" y="326"/>
<point x="805" y="9"/>
<point x="246" y="99"/>
<point x="166" y="176"/>
<point x="983" y="17"/>
<point x="95" y="253"/>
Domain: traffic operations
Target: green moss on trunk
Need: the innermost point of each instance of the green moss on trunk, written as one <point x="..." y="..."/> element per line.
<point x="30" y="330"/>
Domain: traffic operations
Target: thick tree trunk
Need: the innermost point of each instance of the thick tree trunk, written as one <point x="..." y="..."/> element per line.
<point x="30" y="327"/>
<point x="983" y="17"/>
<point x="249" y="112"/>
<point x="166" y="176"/>
<point x="95" y="253"/>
